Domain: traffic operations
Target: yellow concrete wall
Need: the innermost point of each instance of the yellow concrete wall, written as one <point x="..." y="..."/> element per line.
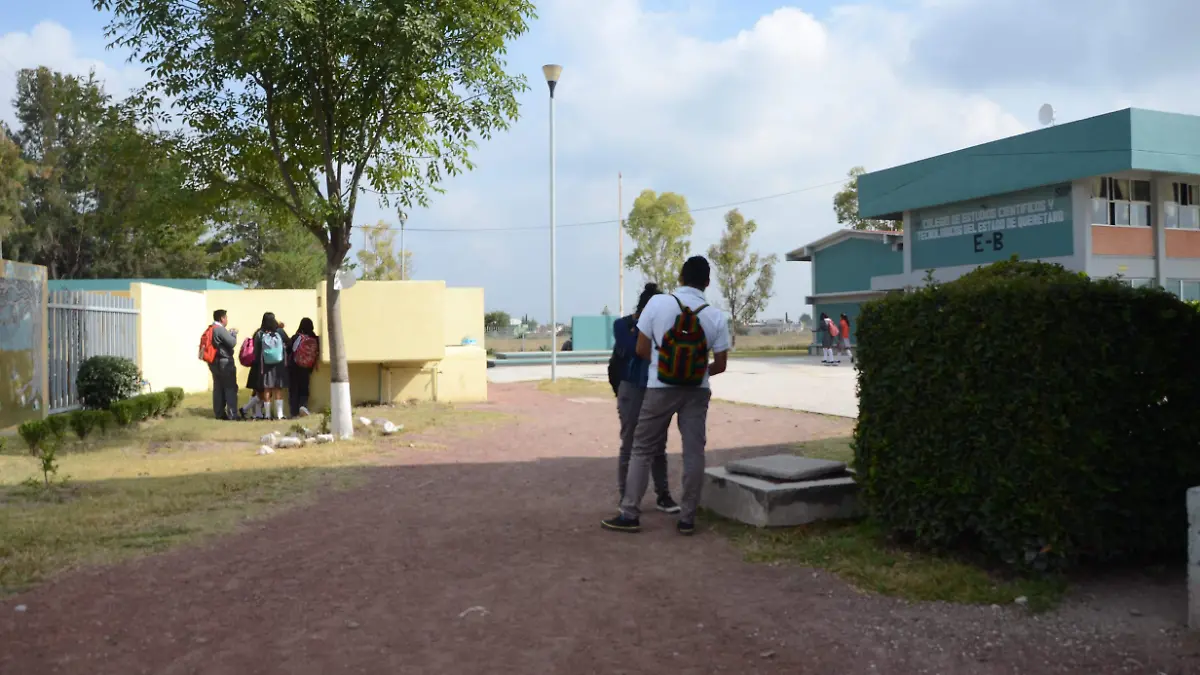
<point x="390" y="321"/>
<point x="464" y="315"/>
<point x="247" y="307"/>
<point x="463" y="376"/>
<point x="169" y="325"/>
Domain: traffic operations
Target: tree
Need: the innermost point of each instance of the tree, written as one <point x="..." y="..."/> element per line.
<point x="259" y="248"/>
<point x="805" y="320"/>
<point x="379" y="261"/>
<point x="660" y="226"/>
<point x="307" y="104"/>
<point x="13" y="174"/>
<point x="845" y="206"/>
<point x="494" y="321"/>
<point x="745" y="294"/>
<point x="104" y="198"/>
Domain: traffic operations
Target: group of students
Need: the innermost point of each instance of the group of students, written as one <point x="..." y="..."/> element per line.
<point x="277" y="362"/>
<point x="835" y="339"/>
<point x="660" y="370"/>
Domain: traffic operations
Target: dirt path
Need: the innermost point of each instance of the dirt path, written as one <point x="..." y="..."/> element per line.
<point x="486" y="557"/>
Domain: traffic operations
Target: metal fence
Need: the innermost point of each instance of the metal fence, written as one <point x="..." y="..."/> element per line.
<point x="83" y="325"/>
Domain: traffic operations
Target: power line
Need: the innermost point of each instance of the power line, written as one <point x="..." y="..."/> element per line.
<point x="613" y="221"/>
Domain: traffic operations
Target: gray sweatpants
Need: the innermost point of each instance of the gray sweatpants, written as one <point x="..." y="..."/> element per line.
<point x="225" y="389"/>
<point x="629" y="406"/>
<point x="658" y="407"/>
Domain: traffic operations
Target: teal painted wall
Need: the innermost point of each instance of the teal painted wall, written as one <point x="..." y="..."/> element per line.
<point x="592" y="332"/>
<point x="850" y="264"/>
<point x="1030" y="224"/>
<point x="123" y="284"/>
<point x="835" y="310"/>
<point x="1062" y="153"/>
<point x="1167" y="142"/>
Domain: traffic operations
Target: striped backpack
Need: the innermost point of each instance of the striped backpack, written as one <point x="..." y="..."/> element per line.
<point x="683" y="354"/>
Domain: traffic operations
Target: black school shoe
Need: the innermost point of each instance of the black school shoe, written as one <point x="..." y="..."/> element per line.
<point x="666" y="504"/>
<point x="622" y="524"/>
<point x="685" y="528"/>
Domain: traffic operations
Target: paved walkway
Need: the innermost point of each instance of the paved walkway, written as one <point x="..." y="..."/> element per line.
<point x="794" y="382"/>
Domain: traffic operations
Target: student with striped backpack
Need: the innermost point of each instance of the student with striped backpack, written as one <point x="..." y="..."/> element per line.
<point x="676" y="333"/>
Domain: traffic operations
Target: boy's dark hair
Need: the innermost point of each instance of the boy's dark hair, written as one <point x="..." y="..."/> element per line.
<point x="218" y="315"/>
<point x="695" y="272"/>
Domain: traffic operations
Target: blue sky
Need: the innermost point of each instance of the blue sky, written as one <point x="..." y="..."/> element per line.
<point x="726" y="101"/>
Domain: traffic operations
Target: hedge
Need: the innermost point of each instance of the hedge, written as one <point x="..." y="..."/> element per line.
<point x="105" y="379"/>
<point x="146" y="406"/>
<point x="1030" y="414"/>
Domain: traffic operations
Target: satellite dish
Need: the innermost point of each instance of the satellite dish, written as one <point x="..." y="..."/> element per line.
<point x="1046" y="114"/>
<point x="343" y="280"/>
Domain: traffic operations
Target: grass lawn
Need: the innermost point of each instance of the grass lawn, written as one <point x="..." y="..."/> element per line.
<point x="577" y="387"/>
<point x="172" y="482"/>
<point x="860" y="554"/>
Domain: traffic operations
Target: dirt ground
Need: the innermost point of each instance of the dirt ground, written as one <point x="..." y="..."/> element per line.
<point x="481" y="552"/>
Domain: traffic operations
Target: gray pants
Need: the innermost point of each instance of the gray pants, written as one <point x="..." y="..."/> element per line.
<point x="225" y="389"/>
<point x="629" y="406"/>
<point x="659" y="406"/>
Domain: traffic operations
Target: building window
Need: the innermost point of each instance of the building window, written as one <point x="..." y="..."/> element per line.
<point x="1120" y="201"/>
<point x="1190" y="290"/>
<point x="1183" y="211"/>
<point x="1135" y="283"/>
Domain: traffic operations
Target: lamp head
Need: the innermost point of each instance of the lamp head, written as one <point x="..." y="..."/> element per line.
<point x="552" y="71"/>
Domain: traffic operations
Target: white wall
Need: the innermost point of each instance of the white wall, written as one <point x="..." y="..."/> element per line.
<point x="170" y="322"/>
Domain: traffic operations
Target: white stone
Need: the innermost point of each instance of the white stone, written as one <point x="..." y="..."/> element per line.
<point x="389" y="428"/>
<point x="20" y="608"/>
<point x="364" y="422"/>
<point x="266" y="450"/>
<point x="270" y="440"/>
<point x="289" y="442"/>
<point x="324" y="438"/>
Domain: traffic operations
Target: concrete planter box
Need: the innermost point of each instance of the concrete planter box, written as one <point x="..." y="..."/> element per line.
<point x="765" y="503"/>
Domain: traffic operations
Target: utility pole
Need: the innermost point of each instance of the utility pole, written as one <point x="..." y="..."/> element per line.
<point x="403" y="260"/>
<point x="620" y="250"/>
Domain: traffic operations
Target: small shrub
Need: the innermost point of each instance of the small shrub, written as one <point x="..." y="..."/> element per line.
<point x="35" y="433"/>
<point x="124" y="412"/>
<point x="174" y="398"/>
<point x="59" y="425"/>
<point x="1031" y="414"/>
<point x="326" y="416"/>
<point x="103" y="380"/>
<point x="102" y="420"/>
<point x="82" y="423"/>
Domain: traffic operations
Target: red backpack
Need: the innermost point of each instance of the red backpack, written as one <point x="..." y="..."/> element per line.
<point x="246" y="355"/>
<point x="305" y="354"/>
<point x="208" y="351"/>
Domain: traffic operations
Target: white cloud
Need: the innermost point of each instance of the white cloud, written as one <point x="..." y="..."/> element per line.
<point x="50" y="44"/>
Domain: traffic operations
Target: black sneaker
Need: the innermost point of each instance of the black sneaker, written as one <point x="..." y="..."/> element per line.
<point x="666" y="504"/>
<point x="622" y="524"/>
<point x="685" y="528"/>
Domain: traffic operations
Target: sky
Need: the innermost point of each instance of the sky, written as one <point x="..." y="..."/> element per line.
<point x="763" y="105"/>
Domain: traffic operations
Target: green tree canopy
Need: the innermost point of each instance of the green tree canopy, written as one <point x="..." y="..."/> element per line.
<point x="660" y="226"/>
<point x="379" y="260"/>
<point x="744" y="278"/>
<point x="493" y="321"/>
<point x="309" y="103"/>
<point x="845" y="207"/>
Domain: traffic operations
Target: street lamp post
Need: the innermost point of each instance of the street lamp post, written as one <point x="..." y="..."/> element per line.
<point x="552" y="73"/>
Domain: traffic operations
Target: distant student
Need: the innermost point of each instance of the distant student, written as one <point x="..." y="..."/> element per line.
<point x="633" y="373"/>
<point x="306" y="356"/>
<point x="828" y="340"/>
<point x="220" y="342"/>
<point x="844" y="326"/>
<point x="270" y="369"/>
<point x="676" y="333"/>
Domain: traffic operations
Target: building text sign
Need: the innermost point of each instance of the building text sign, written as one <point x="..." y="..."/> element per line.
<point x="1030" y="224"/>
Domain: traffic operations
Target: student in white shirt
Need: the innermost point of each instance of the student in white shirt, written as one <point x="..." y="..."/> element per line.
<point x="665" y="401"/>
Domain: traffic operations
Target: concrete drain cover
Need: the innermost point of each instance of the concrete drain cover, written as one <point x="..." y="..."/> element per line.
<point x="586" y="400"/>
<point x="786" y="468"/>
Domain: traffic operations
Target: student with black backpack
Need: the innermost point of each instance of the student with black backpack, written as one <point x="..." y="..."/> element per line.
<point x="628" y="375"/>
<point x="676" y="333"/>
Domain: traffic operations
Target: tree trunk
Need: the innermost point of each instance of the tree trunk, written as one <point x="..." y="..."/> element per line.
<point x="341" y="421"/>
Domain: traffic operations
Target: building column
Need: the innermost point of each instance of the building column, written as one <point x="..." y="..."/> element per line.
<point x="1160" y="191"/>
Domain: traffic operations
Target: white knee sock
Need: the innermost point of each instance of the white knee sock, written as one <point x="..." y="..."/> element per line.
<point x="249" y="407"/>
<point x="278" y="408"/>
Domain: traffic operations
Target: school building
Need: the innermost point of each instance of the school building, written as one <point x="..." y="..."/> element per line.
<point x="1117" y="195"/>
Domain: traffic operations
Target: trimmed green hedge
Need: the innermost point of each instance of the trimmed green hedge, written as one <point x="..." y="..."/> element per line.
<point x="105" y="379"/>
<point x="1032" y="414"/>
<point x="146" y="406"/>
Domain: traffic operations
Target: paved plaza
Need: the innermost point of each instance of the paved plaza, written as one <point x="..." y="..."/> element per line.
<point x="794" y="382"/>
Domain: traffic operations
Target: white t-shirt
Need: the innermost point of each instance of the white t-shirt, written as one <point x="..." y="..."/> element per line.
<point x="659" y="316"/>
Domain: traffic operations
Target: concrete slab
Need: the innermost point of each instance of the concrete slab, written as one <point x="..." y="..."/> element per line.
<point x="786" y="468"/>
<point x="766" y="504"/>
<point x="792" y="382"/>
